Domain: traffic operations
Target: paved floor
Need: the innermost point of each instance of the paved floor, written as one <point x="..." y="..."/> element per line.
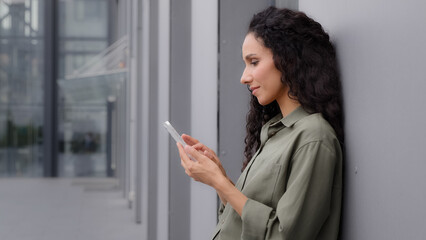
<point x="65" y="209"/>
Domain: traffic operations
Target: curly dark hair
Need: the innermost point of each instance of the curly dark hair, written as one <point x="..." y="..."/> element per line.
<point x="303" y="53"/>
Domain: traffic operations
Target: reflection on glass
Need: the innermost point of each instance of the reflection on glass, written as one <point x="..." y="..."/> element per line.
<point x="21" y="88"/>
<point x="84" y="88"/>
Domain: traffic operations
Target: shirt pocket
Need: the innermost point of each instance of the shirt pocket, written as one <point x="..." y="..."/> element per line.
<point x="263" y="183"/>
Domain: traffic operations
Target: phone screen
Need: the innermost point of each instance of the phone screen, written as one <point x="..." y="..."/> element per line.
<point x="173" y="133"/>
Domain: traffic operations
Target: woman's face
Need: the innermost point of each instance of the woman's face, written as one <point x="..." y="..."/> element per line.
<point x="260" y="73"/>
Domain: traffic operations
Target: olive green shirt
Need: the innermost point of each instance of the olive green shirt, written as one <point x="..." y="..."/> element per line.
<point x="293" y="183"/>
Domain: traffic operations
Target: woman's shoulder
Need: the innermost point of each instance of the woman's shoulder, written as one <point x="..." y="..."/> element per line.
<point x="315" y="128"/>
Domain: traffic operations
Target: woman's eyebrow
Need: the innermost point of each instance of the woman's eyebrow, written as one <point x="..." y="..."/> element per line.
<point x="248" y="56"/>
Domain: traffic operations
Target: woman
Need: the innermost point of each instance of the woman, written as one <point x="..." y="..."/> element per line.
<point x="291" y="184"/>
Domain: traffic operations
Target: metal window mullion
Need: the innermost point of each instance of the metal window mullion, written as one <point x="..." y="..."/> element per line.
<point x="50" y="121"/>
<point x="109" y="165"/>
<point x="114" y="164"/>
<point x="123" y="17"/>
<point x="122" y="126"/>
<point x="143" y="115"/>
<point x="128" y="11"/>
<point x="163" y="115"/>
<point x="145" y="110"/>
<point x="134" y="76"/>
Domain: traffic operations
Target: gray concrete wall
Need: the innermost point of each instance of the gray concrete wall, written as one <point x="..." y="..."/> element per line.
<point x="204" y="108"/>
<point x="381" y="50"/>
<point x="180" y="99"/>
<point x="234" y="98"/>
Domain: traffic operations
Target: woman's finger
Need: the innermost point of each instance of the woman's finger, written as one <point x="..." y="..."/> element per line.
<point x="209" y="155"/>
<point x="216" y="160"/>
<point x="212" y="153"/>
<point x="183" y="156"/>
<point x="189" y="140"/>
<point x="203" y="148"/>
<point x="196" y="155"/>
<point x="199" y="146"/>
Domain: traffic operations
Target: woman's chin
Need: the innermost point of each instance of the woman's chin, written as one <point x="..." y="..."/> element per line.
<point x="263" y="102"/>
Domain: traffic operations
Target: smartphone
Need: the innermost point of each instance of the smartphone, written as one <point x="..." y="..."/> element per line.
<point x="176" y="136"/>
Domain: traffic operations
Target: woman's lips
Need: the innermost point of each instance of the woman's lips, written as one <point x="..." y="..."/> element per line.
<point x="253" y="89"/>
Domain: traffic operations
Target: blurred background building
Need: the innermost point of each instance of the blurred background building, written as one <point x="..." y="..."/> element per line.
<point x="72" y="45"/>
<point x="85" y="86"/>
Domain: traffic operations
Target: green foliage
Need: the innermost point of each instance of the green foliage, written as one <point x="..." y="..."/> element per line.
<point x="21" y="136"/>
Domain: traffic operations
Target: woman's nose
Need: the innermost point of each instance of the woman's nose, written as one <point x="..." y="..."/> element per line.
<point x="245" y="78"/>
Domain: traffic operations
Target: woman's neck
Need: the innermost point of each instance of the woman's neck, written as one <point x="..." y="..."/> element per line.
<point x="287" y="105"/>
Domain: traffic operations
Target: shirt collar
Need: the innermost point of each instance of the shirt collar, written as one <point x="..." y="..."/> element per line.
<point x="278" y="122"/>
<point x="290" y="119"/>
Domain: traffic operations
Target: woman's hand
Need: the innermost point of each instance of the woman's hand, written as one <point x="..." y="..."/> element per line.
<point x="205" y="150"/>
<point x="203" y="169"/>
<point x="208" y="169"/>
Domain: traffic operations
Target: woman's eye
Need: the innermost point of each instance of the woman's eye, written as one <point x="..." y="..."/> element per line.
<point x="254" y="63"/>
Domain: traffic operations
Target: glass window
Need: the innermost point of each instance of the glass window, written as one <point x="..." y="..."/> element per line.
<point x="21" y="87"/>
<point x="83" y="35"/>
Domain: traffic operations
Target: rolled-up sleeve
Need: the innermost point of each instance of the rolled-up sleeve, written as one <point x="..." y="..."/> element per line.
<point x="305" y="204"/>
<point x="255" y="218"/>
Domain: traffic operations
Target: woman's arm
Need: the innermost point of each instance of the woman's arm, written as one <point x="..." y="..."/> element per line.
<point x="208" y="172"/>
<point x="210" y="154"/>
<point x="231" y="194"/>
